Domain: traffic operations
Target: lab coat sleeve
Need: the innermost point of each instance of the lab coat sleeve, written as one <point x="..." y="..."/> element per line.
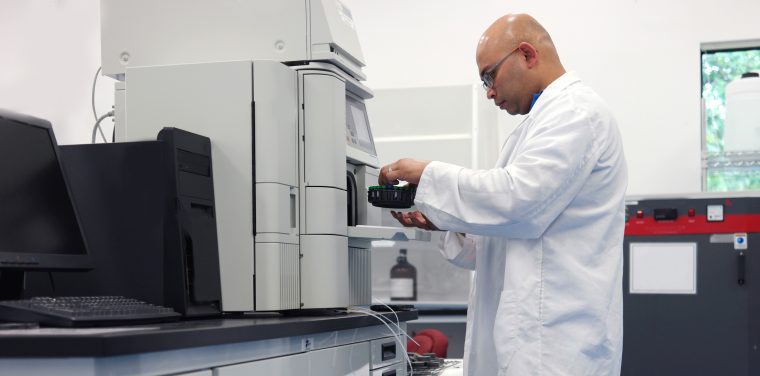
<point x="523" y="198"/>
<point x="458" y="249"/>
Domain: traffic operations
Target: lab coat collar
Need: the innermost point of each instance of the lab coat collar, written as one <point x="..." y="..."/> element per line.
<point x="557" y="86"/>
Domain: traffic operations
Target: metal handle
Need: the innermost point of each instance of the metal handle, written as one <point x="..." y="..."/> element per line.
<point x="742" y="269"/>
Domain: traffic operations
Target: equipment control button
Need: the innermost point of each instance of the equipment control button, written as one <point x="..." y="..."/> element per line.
<point x="740" y="241"/>
<point x="714" y="213"/>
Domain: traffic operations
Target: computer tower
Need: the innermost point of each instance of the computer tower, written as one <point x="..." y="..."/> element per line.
<point x="147" y="211"/>
<point x="192" y="283"/>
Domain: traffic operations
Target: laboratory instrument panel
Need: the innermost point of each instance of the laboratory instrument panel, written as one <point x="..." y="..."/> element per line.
<point x="284" y="105"/>
<point x="692" y="285"/>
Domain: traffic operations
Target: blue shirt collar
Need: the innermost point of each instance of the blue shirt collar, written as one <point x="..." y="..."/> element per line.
<point x="535" y="98"/>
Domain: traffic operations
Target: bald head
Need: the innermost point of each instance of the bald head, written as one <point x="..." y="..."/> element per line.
<point x="509" y="31"/>
<point x="516" y="58"/>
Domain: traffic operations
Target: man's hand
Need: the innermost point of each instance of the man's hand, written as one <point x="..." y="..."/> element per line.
<point x="414" y="219"/>
<point x="407" y="169"/>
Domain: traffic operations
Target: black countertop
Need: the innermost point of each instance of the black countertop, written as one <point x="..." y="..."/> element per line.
<point x="101" y="342"/>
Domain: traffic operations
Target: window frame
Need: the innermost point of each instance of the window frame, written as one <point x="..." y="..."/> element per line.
<point x="723" y="159"/>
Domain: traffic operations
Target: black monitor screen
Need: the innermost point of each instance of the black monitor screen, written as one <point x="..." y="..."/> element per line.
<point x="37" y="216"/>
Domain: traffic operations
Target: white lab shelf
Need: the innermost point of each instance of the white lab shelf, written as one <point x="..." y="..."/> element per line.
<point x="362" y="236"/>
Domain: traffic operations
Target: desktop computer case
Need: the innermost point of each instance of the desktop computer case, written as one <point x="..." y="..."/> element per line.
<point x="148" y="214"/>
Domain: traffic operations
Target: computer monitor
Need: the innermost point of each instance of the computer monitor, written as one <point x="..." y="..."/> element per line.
<point x="39" y="227"/>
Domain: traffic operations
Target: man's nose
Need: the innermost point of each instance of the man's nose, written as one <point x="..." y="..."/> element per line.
<point x="490" y="93"/>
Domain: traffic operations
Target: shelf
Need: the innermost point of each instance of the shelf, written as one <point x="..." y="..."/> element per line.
<point x="732" y="159"/>
<point x="362" y="236"/>
<point x="430" y="305"/>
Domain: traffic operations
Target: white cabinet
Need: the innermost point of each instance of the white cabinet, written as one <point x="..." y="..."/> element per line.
<point x="354" y="359"/>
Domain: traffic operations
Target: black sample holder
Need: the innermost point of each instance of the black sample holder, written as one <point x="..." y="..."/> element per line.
<point x="392" y="197"/>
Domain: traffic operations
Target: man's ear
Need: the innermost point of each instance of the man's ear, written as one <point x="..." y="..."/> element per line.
<point x="529" y="53"/>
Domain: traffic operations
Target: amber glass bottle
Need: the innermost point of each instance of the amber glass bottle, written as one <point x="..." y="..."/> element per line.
<point x="403" y="279"/>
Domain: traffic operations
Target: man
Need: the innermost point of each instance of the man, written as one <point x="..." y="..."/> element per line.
<point x="543" y="230"/>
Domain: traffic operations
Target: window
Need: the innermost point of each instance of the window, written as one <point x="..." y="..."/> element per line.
<point x="733" y="168"/>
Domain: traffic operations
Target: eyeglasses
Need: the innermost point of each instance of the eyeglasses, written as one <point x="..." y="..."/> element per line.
<point x="488" y="76"/>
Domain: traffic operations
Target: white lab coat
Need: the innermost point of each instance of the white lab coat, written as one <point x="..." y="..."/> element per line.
<point x="545" y="238"/>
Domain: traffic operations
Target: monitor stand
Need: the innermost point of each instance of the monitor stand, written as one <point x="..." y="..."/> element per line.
<point x="11" y="284"/>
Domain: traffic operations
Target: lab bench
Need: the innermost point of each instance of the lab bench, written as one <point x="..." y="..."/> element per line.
<point x="336" y="344"/>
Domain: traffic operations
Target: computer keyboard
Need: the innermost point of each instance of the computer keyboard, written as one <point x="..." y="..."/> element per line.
<point x="84" y="311"/>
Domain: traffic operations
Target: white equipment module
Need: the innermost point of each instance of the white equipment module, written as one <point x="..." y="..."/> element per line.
<point x="276" y="86"/>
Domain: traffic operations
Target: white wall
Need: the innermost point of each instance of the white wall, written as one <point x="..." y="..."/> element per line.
<point x="642" y="56"/>
<point x="49" y="52"/>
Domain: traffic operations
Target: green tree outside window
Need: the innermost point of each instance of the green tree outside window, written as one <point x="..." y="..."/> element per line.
<point x="718" y="69"/>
